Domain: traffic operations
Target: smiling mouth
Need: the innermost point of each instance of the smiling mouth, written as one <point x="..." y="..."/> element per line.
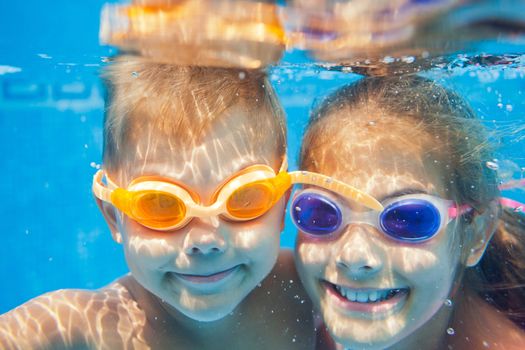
<point x="367" y="295"/>
<point x="367" y="299"/>
<point x="207" y="278"/>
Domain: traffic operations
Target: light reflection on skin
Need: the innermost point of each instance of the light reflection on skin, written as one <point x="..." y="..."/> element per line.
<point x="206" y="245"/>
<point x="381" y="159"/>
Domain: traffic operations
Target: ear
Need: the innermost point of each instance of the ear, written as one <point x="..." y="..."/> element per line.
<point x="109" y="213"/>
<point x="484" y="225"/>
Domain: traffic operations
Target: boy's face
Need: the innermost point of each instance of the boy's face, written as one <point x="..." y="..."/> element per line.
<point x="205" y="269"/>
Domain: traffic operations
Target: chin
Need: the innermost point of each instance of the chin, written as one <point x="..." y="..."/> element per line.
<point x="208" y="308"/>
<point x="354" y="333"/>
<point x="369" y="341"/>
<point x="209" y="314"/>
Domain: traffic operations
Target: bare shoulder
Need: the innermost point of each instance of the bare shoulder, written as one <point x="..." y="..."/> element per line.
<point x="71" y="319"/>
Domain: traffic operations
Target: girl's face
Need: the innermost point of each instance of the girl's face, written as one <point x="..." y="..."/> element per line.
<point x="359" y="263"/>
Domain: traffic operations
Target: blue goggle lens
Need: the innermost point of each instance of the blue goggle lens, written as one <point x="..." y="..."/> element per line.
<point x="316" y="214"/>
<point x="410" y="220"/>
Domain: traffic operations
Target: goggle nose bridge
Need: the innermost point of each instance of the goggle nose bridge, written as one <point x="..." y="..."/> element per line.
<point x="200" y="211"/>
<point x="360" y="217"/>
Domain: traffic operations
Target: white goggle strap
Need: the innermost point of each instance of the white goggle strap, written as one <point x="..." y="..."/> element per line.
<point x="99" y="190"/>
<point x="336" y="186"/>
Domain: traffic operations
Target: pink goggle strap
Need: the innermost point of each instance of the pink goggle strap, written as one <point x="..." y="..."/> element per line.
<point x="511" y="203"/>
<point x="455" y="211"/>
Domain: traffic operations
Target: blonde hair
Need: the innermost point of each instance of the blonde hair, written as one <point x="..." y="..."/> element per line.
<point x="183" y="102"/>
<point x="462" y="139"/>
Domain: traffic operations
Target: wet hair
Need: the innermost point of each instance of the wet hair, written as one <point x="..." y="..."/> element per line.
<point x="182" y="103"/>
<point x="464" y="146"/>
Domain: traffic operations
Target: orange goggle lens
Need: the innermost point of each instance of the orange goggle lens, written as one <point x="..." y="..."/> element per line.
<point x="158" y="209"/>
<point x="250" y="201"/>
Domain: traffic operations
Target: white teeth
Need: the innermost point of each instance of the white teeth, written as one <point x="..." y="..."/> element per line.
<point x="364" y="296"/>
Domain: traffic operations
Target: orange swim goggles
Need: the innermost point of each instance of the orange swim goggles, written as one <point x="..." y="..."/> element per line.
<point x="164" y="206"/>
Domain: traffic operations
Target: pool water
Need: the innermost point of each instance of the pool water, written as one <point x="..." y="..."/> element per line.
<point x="51" y="110"/>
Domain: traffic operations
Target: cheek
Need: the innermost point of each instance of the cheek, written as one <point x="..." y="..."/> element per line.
<point x="312" y="254"/>
<point x="430" y="264"/>
<point x="147" y="246"/>
<point x="260" y="235"/>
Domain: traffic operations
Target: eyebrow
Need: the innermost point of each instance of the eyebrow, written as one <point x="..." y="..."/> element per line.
<point x="404" y="192"/>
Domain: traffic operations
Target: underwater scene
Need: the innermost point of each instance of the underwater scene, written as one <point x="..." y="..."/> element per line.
<point x="183" y="174"/>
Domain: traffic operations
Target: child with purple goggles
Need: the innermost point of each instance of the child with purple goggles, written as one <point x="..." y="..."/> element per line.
<point x="441" y="252"/>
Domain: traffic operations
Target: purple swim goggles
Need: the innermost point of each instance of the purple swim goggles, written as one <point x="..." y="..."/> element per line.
<point x="409" y="218"/>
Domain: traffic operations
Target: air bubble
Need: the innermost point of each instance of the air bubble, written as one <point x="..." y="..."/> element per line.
<point x="448" y="302"/>
<point x="492" y="165"/>
<point x="450" y="331"/>
<point x="134" y="74"/>
<point x="242" y="75"/>
<point x="388" y="59"/>
<point x="485" y="344"/>
<point x="508" y="108"/>
<point x="297" y="208"/>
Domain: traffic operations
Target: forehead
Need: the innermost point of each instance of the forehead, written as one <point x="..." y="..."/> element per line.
<point x="378" y="154"/>
<point x="229" y="144"/>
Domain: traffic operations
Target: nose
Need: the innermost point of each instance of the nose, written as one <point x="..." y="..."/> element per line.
<point x="358" y="256"/>
<point x="204" y="237"/>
